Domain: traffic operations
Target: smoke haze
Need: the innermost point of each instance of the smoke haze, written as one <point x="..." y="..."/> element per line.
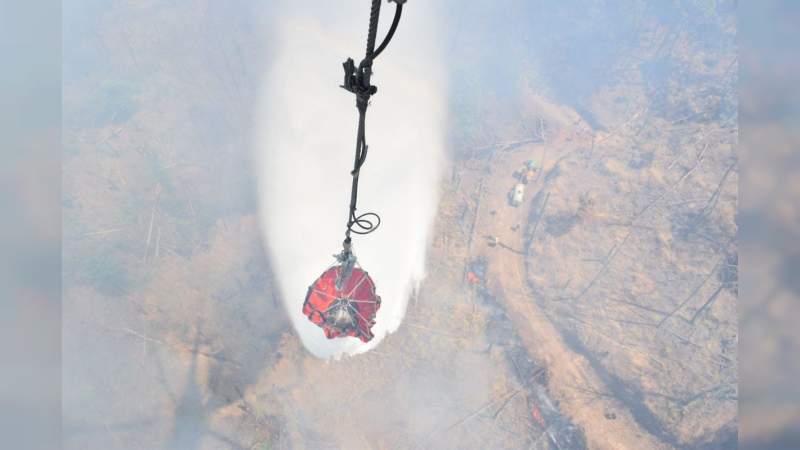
<point x="306" y="145"/>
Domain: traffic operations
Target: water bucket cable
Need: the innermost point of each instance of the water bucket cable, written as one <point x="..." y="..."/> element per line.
<point x="357" y="81"/>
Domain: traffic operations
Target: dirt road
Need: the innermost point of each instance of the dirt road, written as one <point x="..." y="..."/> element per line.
<point x="579" y="391"/>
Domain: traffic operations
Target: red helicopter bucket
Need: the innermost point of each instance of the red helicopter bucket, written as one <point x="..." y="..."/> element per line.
<point x="342" y="303"/>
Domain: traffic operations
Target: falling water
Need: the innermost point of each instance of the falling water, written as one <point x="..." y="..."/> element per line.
<point x="306" y="146"/>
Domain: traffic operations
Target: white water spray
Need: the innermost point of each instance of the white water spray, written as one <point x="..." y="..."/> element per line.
<point x="307" y="143"/>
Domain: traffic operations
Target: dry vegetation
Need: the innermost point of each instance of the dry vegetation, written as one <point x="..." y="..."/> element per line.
<point x="605" y="316"/>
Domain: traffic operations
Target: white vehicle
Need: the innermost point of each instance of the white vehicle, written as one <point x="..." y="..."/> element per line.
<point x="517" y="195"/>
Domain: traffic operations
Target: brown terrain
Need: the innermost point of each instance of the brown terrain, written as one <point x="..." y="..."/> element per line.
<point x="600" y="313"/>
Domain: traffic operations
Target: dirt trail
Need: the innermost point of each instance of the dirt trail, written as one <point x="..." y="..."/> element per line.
<point x="580" y="392"/>
<point x="570" y="374"/>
